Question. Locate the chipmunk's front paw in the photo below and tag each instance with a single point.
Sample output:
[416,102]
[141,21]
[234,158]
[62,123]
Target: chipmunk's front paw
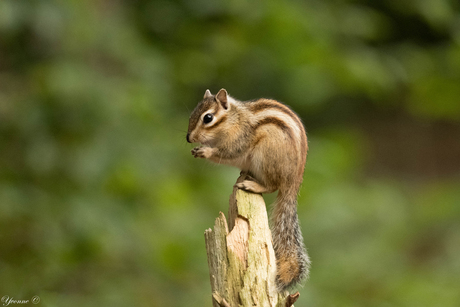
[202,152]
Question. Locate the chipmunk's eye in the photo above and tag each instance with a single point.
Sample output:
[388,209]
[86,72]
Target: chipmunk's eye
[208,118]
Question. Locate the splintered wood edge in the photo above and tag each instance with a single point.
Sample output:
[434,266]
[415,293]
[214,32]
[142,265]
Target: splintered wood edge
[229,246]
[237,240]
[291,299]
[216,249]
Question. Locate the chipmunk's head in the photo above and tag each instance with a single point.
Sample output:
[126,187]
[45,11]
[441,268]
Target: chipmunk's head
[209,118]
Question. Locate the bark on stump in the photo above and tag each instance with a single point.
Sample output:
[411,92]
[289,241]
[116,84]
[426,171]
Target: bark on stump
[241,259]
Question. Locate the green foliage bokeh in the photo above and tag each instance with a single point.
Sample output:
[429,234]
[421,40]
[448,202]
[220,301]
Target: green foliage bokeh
[101,203]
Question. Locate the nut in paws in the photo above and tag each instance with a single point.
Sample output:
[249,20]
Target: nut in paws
[202,152]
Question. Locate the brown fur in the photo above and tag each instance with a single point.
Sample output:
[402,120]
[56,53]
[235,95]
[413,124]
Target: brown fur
[286,268]
[267,141]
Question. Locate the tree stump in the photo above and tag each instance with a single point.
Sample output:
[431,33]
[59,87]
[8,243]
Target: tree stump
[241,259]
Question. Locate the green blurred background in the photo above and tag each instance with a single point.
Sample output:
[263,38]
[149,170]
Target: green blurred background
[102,204]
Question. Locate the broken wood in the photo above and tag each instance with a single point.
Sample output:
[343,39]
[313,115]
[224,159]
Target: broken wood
[241,259]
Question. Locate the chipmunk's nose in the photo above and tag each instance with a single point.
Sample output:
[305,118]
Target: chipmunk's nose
[188,137]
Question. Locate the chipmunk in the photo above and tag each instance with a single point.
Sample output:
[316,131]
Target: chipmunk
[266,140]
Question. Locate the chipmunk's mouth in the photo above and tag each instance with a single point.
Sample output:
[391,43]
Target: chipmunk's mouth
[191,138]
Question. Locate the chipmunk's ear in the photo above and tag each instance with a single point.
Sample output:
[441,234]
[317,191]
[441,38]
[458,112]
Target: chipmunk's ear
[222,98]
[207,94]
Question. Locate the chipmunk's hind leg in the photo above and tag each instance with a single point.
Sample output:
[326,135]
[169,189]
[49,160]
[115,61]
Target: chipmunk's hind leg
[252,185]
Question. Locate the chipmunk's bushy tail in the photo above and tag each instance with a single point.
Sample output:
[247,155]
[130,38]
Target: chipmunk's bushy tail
[292,261]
